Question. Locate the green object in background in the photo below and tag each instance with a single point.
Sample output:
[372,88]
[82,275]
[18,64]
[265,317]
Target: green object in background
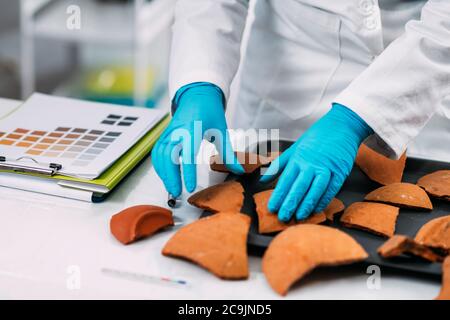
[115,84]
[116,81]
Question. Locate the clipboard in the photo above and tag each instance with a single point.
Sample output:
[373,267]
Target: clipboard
[44,178]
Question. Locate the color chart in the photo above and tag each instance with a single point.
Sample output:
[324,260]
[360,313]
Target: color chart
[84,137]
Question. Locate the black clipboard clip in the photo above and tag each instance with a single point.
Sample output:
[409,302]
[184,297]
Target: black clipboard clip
[49,170]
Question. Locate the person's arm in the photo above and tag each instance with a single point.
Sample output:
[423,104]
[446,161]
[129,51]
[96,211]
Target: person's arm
[401,90]
[205,57]
[206,42]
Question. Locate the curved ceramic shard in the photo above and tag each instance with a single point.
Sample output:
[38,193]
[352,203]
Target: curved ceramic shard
[299,249]
[217,243]
[226,196]
[373,217]
[435,234]
[402,195]
[139,222]
[444,294]
[437,184]
[249,161]
[336,206]
[268,222]
[378,167]
[400,244]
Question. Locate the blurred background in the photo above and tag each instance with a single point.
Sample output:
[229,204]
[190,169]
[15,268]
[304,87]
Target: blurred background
[102,50]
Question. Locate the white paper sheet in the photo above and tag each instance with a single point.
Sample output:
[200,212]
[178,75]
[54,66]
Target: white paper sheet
[84,137]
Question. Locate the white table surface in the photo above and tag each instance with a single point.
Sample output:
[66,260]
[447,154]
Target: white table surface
[46,241]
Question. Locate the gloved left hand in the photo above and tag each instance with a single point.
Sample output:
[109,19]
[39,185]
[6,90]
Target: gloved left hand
[316,166]
[199,114]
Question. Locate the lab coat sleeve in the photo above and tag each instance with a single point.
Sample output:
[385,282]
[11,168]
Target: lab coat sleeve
[402,89]
[206,42]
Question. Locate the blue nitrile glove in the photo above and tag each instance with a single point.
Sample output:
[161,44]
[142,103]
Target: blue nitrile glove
[199,114]
[317,164]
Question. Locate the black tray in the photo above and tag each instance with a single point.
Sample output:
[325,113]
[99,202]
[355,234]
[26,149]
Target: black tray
[355,188]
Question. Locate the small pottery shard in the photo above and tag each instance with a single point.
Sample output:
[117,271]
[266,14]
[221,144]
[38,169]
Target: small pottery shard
[226,196]
[268,222]
[299,249]
[217,243]
[445,288]
[403,195]
[400,244]
[435,234]
[336,206]
[373,217]
[138,222]
[249,161]
[378,167]
[437,184]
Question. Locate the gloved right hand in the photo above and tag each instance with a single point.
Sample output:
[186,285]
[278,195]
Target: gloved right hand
[199,114]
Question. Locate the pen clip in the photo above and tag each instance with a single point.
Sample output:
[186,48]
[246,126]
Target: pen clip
[49,170]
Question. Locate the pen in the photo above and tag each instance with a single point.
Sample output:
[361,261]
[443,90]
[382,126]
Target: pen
[172,201]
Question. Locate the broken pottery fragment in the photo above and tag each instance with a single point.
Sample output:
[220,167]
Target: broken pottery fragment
[217,243]
[373,217]
[138,222]
[401,194]
[437,184]
[435,234]
[299,249]
[268,222]
[378,167]
[226,196]
[400,244]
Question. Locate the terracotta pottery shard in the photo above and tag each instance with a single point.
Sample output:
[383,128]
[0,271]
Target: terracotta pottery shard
[250,161]
[217,243]
[436,234]
[402,195]
[399,244]
[334,208]
[373,217]
[268,222]
[138,222]
[437,184]
[226,196]
[378,167]
[445,289]
[299,249]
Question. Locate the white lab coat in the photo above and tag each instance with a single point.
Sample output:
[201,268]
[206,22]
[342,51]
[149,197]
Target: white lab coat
[302,55]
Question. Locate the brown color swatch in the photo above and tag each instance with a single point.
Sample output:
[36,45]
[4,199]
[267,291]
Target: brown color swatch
[217,243]
[34,152]
[444,294]
[378,167]
[226,196]
[7,142]
[39,133]
[249,161]
[268,222]
[55,134]
[435,234]
[373,217]
[299,249]
[403,195]
[32,139]
[138,222]
[23,144]
[437,184]
[400,244]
